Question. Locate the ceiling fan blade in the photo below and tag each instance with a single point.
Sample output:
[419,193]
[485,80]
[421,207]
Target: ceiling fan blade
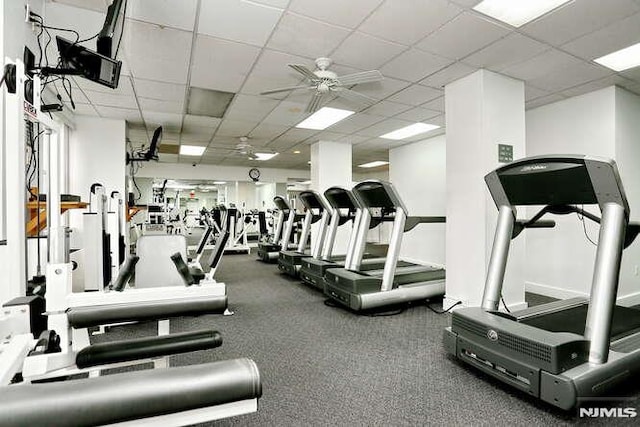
[355,96]
[284,89]
[305,72]
[362,77]
[314,102]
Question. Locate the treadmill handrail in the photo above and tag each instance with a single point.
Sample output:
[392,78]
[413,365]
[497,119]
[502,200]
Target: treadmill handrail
[413,221]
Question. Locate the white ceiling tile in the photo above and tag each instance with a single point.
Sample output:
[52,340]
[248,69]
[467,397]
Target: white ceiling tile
[345,13]
[201,121]
[352,139]
[287,113]
[531,92]
[84,110]
[157,53]
[124,86]
[249,107]
[220,64]
[417,114]
[97,5]
[119,113]
[578,18]
[365,51]
[408,21]
[386,109]
[306,37]
[235,128]
[241,21]
[504,52]
[161,106]
[294,136]
[613,37]
[548,62]
[355,122]
[168,121]
[267,131]
[571,75]
[275,3]
[416,95]
[110,100]
[324,136]
[382,89]
[167,158]
[86,22]
[544,100]
[453,72]
[461,36]
[436,104]
[165,12]
[383,127]
[414,65]
[159,90]
[598,84]
[270,72]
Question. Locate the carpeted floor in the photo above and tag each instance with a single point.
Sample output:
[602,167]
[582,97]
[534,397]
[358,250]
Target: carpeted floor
[322,365]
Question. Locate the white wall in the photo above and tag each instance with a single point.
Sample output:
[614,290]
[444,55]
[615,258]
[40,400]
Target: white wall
[602,123]
[216,172]
[418,173]
[364,174]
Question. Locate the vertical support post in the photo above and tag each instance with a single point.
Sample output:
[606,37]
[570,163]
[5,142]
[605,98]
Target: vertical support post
[306,228]
[278,230]
[327,234]
[288,229]
[604,287]
[355,228]
[498,260]
[58,253]
[393,253]
[360,240]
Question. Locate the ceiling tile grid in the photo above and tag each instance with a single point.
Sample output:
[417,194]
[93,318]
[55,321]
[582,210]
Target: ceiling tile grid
[243,47]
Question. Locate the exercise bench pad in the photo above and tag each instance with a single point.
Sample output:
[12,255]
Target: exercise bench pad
[85,317]
[129,396]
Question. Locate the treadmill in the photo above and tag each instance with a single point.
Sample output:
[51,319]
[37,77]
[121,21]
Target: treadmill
[270,251]
[317,209]
[344,208]
[568,350]
[392,284]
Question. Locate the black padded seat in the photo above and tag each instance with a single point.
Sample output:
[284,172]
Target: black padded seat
[85,317]
[129,396]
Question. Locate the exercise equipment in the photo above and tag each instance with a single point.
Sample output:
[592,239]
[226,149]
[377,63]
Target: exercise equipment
[567,350]
[363,290]
[270,251]
[317,209]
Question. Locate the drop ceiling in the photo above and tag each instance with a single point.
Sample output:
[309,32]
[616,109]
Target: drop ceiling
[243,47]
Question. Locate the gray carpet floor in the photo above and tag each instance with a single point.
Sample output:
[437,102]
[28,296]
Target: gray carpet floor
[323,365]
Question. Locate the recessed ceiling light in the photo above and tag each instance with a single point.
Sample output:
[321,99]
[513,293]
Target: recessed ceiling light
[409,131]
[263,156]
[323,118]
[219,182]
[517,12]
[191,150]
[373,164]
[296,151]
[622,59]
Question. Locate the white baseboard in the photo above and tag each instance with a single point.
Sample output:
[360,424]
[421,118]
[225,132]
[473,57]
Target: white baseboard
[554,292]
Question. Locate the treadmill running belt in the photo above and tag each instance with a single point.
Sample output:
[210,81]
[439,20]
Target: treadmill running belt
[625,321]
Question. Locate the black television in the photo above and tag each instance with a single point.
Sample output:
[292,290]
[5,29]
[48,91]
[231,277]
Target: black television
[78,60]
[111,33]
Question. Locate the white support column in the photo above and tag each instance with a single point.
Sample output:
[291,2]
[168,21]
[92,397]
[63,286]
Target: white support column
[14,135]
[331,166]
[483,110]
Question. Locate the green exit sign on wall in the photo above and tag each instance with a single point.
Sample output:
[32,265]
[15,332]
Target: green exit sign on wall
[505,153]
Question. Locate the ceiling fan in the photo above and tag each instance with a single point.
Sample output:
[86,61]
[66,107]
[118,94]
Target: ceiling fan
[324,82]
[243,149]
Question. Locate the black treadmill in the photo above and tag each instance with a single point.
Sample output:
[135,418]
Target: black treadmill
[393,284]
[268,251]
[568,350]
[317,209]
[344,208]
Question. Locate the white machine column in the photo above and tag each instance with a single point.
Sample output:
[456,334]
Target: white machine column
[485,123]
[331,166]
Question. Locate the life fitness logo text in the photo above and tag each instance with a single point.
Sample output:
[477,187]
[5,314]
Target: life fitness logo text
[608,413]
[533,168]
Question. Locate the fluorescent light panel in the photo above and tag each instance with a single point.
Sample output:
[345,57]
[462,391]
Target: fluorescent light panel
[517,12]
[373,164]
[409,131]
[264,156]
[191,150]
[622,59]
[323,118]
